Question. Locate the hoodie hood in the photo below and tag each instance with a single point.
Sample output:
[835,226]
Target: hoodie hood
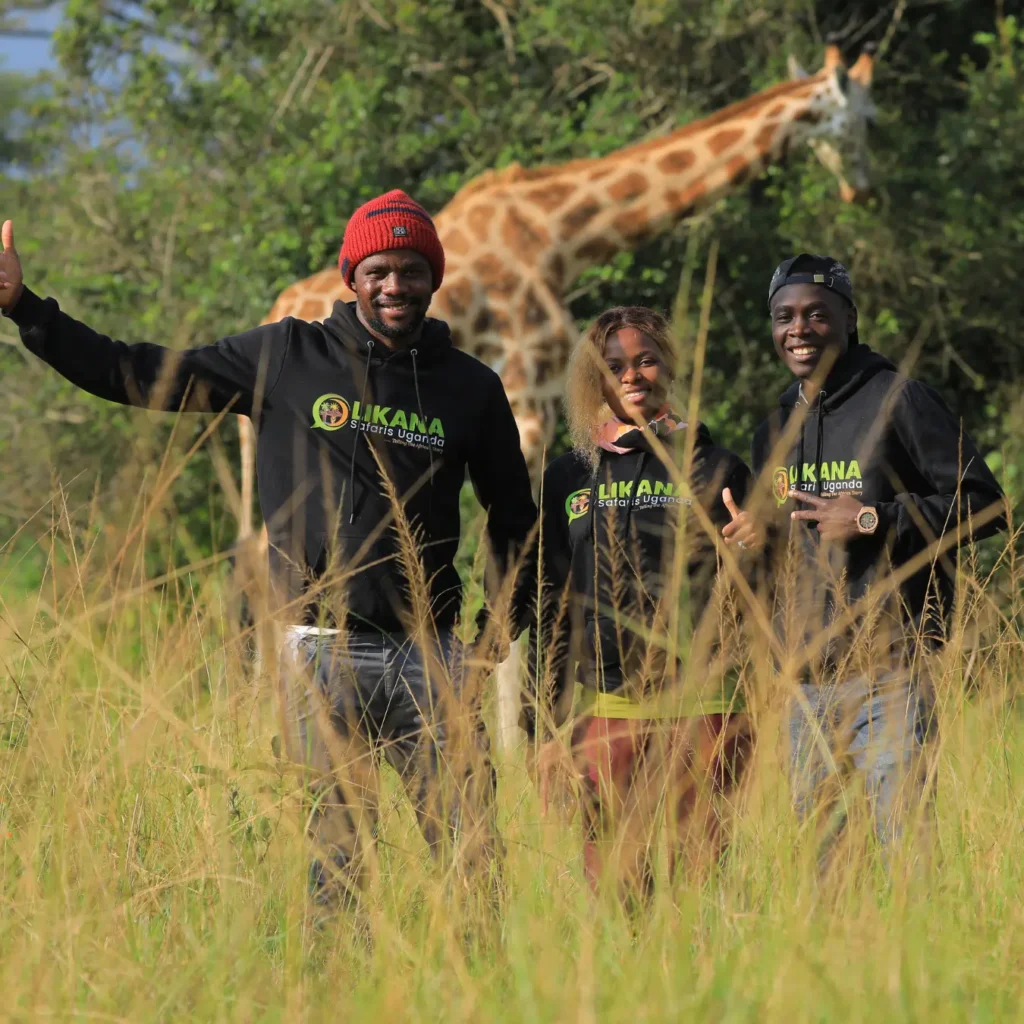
[345,326]
[848,376]
[609,432]
[665,430]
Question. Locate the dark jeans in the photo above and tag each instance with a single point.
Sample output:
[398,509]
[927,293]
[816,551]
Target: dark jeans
[354,697]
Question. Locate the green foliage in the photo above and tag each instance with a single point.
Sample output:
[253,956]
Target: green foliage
[14,146]
[191,159]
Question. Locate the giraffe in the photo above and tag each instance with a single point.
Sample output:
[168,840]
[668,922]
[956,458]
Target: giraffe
[516,239]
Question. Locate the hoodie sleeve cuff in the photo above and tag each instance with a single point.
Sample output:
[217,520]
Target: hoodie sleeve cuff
[29,310]
[482,619]
[888,515]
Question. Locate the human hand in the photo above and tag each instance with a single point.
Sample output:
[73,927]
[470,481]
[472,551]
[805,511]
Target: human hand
[490,648]
[744,531]
[553,760]
[11,285]
[836,517]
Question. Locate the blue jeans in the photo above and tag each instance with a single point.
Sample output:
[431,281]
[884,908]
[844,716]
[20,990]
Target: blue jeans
[871,731]
[352,698]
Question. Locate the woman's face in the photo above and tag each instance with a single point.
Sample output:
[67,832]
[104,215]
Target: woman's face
[640,375]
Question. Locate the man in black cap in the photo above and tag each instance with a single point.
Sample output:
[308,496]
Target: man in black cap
[874,484]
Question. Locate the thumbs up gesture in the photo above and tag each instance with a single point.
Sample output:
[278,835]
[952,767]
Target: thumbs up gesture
[742,530]
[11,285]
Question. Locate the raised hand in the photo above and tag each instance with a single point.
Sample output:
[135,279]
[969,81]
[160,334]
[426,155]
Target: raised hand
[836,517]
[554,769]
[11,286]
[743,530]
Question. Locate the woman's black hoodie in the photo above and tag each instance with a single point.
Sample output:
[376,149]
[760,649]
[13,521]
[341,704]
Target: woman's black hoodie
[328,402]
[607,536]
[891,443]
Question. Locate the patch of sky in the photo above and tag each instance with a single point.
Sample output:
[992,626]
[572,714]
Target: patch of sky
[25,39]
[26,48]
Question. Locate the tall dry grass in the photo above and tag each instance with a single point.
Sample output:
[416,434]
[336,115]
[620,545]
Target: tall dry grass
[153,863]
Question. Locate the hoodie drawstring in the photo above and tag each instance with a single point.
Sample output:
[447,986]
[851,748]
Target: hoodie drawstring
[820,444]
[355,437]
[592,506]
[640,465]
[799,461]
[419,405]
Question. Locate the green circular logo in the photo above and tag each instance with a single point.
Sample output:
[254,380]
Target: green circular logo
[577,504]
[780,485]
[330,412]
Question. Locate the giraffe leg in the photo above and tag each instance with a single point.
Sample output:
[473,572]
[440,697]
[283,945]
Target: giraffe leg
[508,696]
[247,449]
[250,551]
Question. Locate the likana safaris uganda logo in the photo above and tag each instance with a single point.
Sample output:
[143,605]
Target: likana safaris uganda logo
[402,426]
[780,485]
[330,412]
[828,479]
[577,504]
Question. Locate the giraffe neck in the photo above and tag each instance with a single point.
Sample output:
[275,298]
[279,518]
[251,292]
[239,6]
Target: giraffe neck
[597,208]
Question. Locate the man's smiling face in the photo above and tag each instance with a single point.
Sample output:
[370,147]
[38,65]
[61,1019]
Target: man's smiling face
[809,323]
[393,292]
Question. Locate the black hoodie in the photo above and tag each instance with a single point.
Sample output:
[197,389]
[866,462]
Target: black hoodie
[890,442]
[607,537]
[325,399]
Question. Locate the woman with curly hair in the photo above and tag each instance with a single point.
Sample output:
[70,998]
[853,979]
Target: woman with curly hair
[629,608]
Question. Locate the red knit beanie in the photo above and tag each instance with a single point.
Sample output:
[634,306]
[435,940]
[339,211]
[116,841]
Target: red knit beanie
[391,221]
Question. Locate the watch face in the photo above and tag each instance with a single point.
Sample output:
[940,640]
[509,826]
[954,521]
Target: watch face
[867,520]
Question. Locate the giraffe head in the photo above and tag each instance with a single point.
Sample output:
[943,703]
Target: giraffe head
[837,128]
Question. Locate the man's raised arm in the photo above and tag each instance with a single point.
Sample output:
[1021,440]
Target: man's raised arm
[213,377]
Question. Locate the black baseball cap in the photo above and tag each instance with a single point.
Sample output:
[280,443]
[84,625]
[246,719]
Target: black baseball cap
[808,268]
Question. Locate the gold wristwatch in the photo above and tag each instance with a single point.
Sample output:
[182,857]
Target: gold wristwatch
[867,520]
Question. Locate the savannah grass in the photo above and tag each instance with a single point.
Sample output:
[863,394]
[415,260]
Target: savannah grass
[153,864]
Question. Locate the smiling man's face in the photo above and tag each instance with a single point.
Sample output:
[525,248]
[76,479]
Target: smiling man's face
[393,292]
[809,323]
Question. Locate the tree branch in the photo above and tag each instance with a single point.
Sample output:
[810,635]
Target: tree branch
[501,16]
[289,95]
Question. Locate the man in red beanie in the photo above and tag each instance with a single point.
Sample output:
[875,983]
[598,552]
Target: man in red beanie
[392,238]
[367,425]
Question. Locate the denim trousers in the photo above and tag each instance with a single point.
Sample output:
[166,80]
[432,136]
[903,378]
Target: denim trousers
[354,698]
[860,739]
